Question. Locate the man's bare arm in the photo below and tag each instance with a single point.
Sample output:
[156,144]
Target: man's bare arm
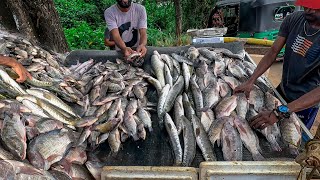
[117,39]
[308,100]
[268,59]
[143,37]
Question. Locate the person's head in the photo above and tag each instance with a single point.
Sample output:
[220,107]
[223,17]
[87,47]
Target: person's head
[311,10]
[124,3]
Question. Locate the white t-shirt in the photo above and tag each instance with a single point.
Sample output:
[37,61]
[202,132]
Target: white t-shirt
[128,23]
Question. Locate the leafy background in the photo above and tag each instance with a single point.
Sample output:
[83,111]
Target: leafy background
[84,23]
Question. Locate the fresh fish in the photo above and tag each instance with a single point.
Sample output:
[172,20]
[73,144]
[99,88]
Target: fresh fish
[216,128]
[249,139]
[271,102]
[178,112]
[158,69]
[225,89]
[212,56]
[145,118]
[188,109]
[60,175]
[7,79]
[167,75]
[242,106]
[108,126]
[5,155]
[237,71]
[169,62]
[231,81]
[42,126]
[256,98]
[174,139]
[226,106]
[48,148]
[291,133]
[189,142]
[193,53]
[186,75]
[231,143]
[272,133]
[13,134]
[51,98]
[95,169]
[202,140]
[174,91]
[211,96]
[207,117]
[181,59]
[219,68]
[11,169]
[197,96]
[114,141]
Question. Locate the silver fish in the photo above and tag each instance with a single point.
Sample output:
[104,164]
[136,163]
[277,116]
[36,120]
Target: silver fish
[202,140]
[174,139]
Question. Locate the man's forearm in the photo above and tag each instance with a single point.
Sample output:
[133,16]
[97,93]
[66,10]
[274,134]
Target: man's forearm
[143,37]
[7,61]
[308,100]
[262,67]
[268,59]
[117,39]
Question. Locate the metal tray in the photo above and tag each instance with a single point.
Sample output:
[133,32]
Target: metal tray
[156,149]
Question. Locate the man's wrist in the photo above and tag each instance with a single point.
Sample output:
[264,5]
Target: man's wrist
[278,115]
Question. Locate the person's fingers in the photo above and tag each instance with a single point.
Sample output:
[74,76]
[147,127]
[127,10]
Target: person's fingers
[28,75]
[21,79]
[255,117]
[259,123]
[264,125]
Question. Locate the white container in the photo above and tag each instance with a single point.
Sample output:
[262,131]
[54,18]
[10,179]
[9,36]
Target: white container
[207,40]
[148,173]
[253,170]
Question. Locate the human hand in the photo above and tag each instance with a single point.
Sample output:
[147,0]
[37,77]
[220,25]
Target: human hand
[263,119]
[245,88]
[127,52]
[22,72]
[142,49]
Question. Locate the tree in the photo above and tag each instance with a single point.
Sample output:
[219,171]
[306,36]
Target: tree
[39,21]
[177,6]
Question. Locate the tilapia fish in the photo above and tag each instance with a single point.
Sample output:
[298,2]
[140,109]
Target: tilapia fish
[48,148]
[291,133]
[13,134]
[231,143]
[248,137]
[11,169]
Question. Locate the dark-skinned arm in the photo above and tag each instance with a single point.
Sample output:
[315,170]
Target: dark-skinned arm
[308,100]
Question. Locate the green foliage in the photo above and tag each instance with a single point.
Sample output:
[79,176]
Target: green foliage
[84,24]
[83,36]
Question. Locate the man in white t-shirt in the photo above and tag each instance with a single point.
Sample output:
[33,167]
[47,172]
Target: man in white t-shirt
[127,23]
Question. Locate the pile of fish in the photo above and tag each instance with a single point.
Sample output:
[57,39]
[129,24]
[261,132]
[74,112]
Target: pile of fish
[195,90]
[50,123]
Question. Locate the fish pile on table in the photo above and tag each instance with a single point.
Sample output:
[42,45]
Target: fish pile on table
[196,98]
[50,123]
